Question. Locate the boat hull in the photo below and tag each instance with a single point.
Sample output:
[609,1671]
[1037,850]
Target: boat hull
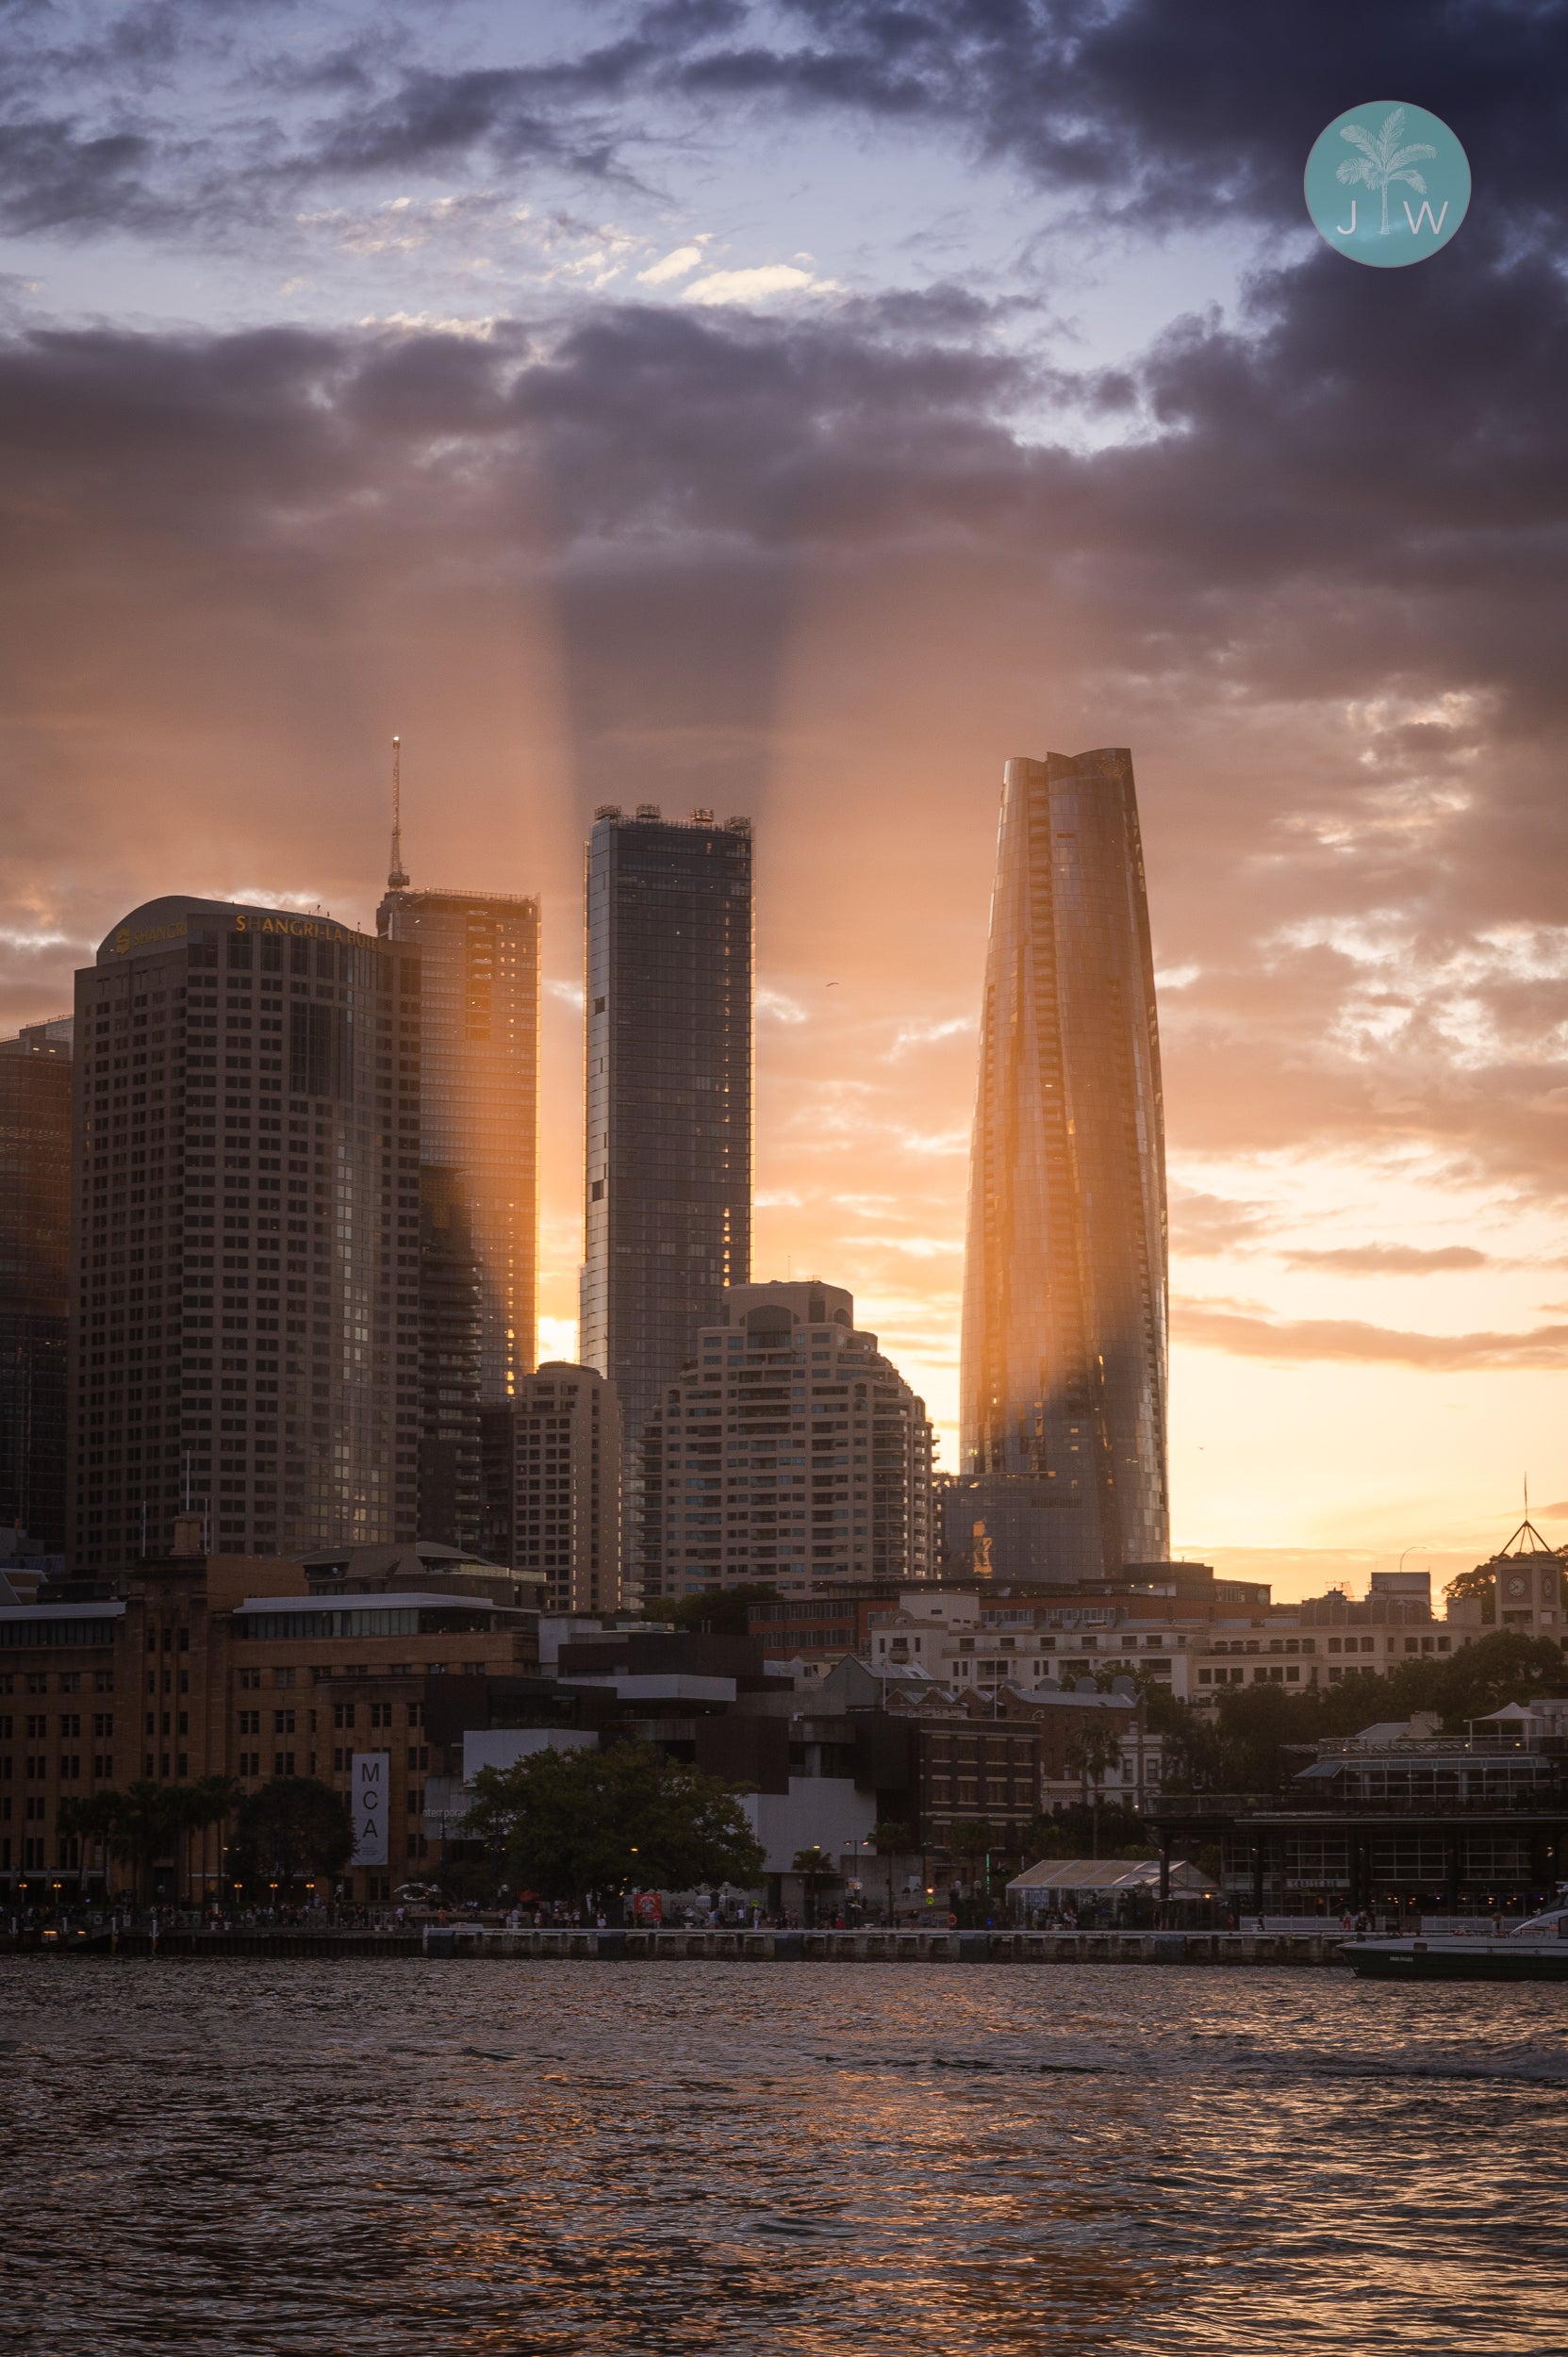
[1457,1959]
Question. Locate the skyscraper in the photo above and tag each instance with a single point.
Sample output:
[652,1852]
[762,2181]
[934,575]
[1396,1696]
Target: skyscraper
[1063,1378]
[788,1449]
[479,1122]
[35,1269]
[668,1087]
[245,1234]
[450,1325]
[553,1486]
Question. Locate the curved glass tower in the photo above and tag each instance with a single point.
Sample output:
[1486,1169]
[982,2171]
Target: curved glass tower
[1064,1379]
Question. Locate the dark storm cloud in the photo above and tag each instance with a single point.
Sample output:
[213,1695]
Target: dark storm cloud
[1167,109]
[1318,577]
[1160,111]
[54,176]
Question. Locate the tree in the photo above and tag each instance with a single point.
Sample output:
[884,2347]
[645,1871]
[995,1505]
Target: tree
[724,1615]
[206,1803]
[1089,1755]
[818,1873]
[891,1839]
[289,1828]
[87,1819]
[1481,1582]
[1382,161]
[1070,1832]
[1257,1735]
[140,1824]
[611,1820]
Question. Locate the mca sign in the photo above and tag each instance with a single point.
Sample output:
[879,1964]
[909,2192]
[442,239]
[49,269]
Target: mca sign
[370,1794]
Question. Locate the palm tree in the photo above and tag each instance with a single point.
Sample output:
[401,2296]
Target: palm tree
[1089,1755]
[817,1870]
[86,1818]
[206,1803]
[1382,161]
[141,1823]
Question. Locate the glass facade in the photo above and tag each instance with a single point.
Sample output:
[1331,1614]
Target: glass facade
[1063,1378]
[668,1092]
[35,1263]
[450,1330]
[245,1235]
[479,958]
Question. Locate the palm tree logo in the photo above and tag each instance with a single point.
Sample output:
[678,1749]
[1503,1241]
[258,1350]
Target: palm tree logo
[1382,161]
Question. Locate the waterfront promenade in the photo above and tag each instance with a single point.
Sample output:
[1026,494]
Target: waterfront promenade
[447,1941]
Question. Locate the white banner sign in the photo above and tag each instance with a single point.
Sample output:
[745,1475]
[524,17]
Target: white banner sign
[371,1795]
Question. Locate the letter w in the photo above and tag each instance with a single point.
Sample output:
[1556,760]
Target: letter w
[1426,214]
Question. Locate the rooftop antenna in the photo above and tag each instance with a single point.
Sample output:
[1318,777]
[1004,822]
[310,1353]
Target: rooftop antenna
[396,880]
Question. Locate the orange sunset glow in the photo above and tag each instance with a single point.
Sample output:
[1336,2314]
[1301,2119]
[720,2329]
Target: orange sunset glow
[647,507]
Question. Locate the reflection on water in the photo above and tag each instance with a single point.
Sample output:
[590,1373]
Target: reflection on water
[362,2157]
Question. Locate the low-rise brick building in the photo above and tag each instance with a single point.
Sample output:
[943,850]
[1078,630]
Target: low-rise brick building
[236,1666]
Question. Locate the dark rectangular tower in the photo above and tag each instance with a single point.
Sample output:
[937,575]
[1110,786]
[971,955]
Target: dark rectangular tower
[35,1278]
[1064,1292]
[479,959]
[668,1092]
[245,1235]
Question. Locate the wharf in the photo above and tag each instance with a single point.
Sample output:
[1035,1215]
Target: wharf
[888,1947]
[452,1941]
[181,1942]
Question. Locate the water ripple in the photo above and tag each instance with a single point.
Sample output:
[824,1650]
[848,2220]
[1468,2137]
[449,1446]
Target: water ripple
[314,2160]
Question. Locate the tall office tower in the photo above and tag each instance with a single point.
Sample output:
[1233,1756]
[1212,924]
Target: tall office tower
[553,1486]
[450,1328]
[1064,1317]
[479,1100]
[668,1085]
[35,1278]
[245,1235]
[788,1451]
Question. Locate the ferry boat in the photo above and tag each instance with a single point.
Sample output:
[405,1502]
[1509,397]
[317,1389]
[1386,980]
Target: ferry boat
[1533,1951]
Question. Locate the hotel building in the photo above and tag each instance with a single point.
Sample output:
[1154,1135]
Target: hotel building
[788,1451]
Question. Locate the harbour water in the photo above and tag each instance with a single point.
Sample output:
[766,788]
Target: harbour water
[374,2156]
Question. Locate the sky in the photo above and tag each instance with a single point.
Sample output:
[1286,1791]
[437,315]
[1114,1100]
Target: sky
[797,411]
